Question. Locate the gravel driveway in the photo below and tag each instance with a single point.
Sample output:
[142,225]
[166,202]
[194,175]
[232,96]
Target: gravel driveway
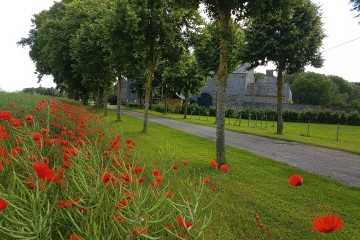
[341,166]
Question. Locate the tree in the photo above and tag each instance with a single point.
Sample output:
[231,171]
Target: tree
[288,33]
[159,35]
[356,5]
[92,58]
[121,40]
[314,89]
[221,11]
[184,77]
[49,42]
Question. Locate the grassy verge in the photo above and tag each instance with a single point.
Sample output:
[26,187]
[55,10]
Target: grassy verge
[322,135]
[253,186]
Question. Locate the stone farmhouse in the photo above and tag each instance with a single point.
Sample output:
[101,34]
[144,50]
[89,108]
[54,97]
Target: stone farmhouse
[242,90]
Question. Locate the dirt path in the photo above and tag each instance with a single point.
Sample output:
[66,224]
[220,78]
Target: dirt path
[341,166]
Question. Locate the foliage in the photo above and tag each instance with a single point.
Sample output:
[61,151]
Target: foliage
[287,32]
[206,48]
[351,117]
[356,5]
[43,91]
[49,42]
[313,88]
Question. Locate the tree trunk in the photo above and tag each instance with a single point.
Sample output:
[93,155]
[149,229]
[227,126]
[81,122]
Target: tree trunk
[149,77]
[186,105]
[280,99]
[105,100]
[221,82]
[99,98]
[166,103]
[118,99]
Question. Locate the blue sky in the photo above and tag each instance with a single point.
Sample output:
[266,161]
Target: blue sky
[17,69]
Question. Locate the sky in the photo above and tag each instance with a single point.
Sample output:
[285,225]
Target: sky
[17,69]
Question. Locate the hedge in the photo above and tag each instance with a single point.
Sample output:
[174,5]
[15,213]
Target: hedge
[321,116]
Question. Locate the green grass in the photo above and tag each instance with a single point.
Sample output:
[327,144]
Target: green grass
[322,135]
[253,186]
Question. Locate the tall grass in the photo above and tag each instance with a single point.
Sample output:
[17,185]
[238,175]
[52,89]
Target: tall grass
[65,175]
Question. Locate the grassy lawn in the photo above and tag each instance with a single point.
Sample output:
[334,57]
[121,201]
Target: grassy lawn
[323,135]
[253,186]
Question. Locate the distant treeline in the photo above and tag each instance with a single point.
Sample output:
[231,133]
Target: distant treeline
[318,89]
[43,91]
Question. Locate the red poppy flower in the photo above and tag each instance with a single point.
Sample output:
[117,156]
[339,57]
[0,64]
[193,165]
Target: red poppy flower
[138,170]
[36,136]
[182,235]
[76,237]
[29,117]
[141,180]
[160,179]
[67,164]
[327,224]
[295,180]
[206,180]
[224,168]
[169,195]
[214,164]
[156,172]
[175,166]
[43,171]
[3,204]
[5,115]
[257,218]
[140,230]
[122,203]
[15,151]
[213,189]
[183,223]
[185,163]
[118,218]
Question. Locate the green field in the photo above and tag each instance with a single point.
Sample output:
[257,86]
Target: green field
[323,135]
[253,186]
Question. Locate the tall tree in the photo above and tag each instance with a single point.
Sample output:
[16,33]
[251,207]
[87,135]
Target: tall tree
[159,36]
[121,40]
[221,11]
[288,33]
[49,42]
[92,58]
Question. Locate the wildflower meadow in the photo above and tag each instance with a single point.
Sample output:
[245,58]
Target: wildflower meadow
[67,173]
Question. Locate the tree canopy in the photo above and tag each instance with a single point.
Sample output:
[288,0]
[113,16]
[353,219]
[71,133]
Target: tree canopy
[288,33]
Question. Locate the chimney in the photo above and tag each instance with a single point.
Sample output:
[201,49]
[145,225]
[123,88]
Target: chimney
[270,73]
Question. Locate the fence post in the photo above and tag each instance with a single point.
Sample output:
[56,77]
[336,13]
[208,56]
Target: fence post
[266,121]
[337,132]
[308,129]
[240,118]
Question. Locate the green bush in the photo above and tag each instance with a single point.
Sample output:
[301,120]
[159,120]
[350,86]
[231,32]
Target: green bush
[112,99]
[353,118]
